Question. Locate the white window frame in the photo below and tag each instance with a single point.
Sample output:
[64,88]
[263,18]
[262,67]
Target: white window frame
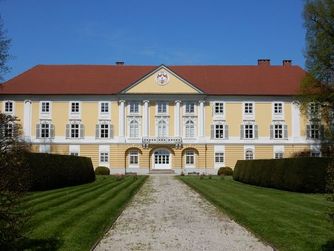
[219,114]
[285,134]
[43,114]
[186,130]
[45,148]
[186,104]
[253,130]
[315,151]
[164,103]
[41,129]
[224,125]
[134,154]
[311,128]
[81,129]
[278,149]
[278,155]
[132,103]
[166,121]
[249,148]
[104,151]
[104,123]
[190,154]
[13,107]
[314,110]
[75,115]
[138,135]
[219,155]
[104,115]
[276,116]
[74,150]
[248,115]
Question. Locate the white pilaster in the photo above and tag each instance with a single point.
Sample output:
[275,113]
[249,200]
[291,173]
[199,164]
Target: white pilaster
[177,118]
[27,119]
[146,117]
[201,122]
[122,119]
[295,118]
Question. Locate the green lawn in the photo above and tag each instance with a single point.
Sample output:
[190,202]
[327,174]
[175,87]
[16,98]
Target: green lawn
[74,218]
[286,220]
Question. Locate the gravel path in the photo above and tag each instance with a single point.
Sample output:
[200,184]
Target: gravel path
[168,215]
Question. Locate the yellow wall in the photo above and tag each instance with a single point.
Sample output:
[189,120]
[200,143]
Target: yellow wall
[60,117]
[233,153]
[263,118]
[89,116]
[234,118]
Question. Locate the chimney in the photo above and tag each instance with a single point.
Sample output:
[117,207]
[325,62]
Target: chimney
[287,62]
[263,61]
[120,63]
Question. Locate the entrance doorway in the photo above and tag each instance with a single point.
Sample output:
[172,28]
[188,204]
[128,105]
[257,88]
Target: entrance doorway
[161,159]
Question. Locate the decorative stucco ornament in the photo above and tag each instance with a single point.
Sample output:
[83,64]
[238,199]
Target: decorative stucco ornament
[162,78]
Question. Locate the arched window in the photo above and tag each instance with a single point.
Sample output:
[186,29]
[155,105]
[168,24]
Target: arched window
[190,129]
[134,129]
[162,128]
[249,154]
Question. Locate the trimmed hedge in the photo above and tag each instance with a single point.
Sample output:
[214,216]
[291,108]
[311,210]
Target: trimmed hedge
[50,171]
[307,174]
[228,171]
[102,170]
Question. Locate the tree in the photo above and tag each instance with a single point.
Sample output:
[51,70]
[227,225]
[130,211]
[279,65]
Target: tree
[318,85]
[4,47]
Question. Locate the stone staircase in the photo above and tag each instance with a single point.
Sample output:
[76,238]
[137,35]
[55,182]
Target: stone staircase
[162,171]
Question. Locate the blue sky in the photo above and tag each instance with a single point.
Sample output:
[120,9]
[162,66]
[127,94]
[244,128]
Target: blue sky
[140,32]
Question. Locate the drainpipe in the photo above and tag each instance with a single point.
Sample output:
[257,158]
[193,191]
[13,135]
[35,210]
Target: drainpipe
[206,148]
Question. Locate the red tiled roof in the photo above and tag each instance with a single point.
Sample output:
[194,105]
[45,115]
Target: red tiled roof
[111,79]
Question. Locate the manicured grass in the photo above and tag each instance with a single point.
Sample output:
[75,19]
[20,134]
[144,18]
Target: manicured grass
[74,218]
[286,220]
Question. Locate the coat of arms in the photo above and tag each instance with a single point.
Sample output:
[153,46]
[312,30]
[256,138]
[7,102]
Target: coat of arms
[162,78]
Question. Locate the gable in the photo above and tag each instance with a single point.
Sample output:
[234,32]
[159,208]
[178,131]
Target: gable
[162,80]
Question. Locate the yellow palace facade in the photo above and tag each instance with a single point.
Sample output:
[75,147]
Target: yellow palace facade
[144,118]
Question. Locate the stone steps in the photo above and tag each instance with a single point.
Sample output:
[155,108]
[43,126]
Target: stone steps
[162,171]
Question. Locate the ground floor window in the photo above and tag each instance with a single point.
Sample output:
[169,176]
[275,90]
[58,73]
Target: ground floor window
[278,155]
[249,154]
[190,158]
[219,157]
[104,157]
[133,158]
[315,154]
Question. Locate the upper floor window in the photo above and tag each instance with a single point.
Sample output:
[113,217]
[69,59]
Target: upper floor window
[219,108]
[248,108]
[278,108]
[8,130]
[219,131]
[103,130]
[190,129]
[314,109]
[162,107]
[75,130]
[45,107]
[190,107]
[9,106]
[75,107]
[134,129]
[314,131]
[162,128]
[104,107]
[248,131]
[278,131]
[134,107]
[45,130]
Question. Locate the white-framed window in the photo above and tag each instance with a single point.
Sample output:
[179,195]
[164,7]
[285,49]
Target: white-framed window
[44,148]
[315,154]
[74,130]
[189,129]
[219,108]
[133,107]
[278,155]
[103,130]
[134,129]
[219,157]
[9,130]
[314,109]
[104,157]
[134,158]
[248,131]
[248,108]
[189,107]
[45,106]
[9,106]
[74,150]
[278,108]
[162,128]
[190,158]
[314,130]
[75,107]
[249,154]
[45,130]
[104,107]
[219,131]
[162,107]
[278,131]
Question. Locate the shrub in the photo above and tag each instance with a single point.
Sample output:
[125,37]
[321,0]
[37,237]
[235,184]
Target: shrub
[227,171]
[102,170]
[50,171]
[294,174]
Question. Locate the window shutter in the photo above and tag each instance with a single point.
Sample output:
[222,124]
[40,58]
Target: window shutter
[82,131]
[111,133]
[242,132]
[52,131]
[97,131]
[67,131]
[226,131]
[38,131]
[271,131]
[212,131]
[256,131]
[308,128]
[286,131]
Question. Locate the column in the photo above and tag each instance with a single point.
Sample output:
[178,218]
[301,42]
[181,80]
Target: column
[146,117]
[295,120]
[177,118]
[122,119]
[201,122]
[27,119]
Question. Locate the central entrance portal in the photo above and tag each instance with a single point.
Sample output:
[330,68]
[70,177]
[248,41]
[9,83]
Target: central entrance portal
[161,159]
